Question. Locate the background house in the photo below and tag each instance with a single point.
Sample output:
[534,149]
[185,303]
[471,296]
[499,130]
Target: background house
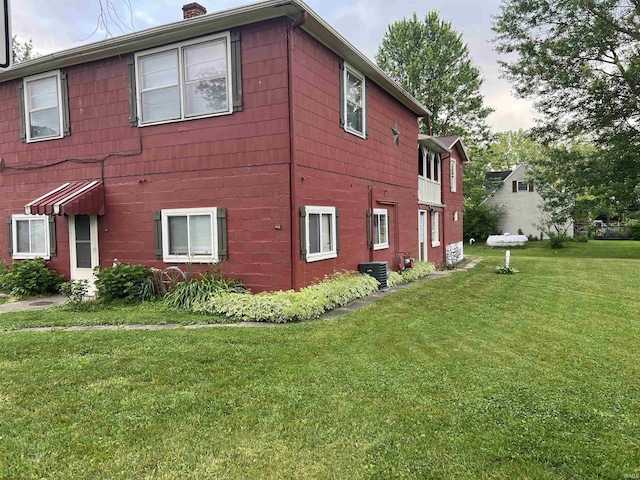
[256,135]
[516,194]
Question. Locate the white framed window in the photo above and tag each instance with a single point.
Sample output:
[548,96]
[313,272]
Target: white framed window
[456,216]
[453,174]
[43,107]
[321,233]
[523,186]
[380,228]
[189,235]
[186,80]
[30,236]
[355,105]
[429,165]
[435,229]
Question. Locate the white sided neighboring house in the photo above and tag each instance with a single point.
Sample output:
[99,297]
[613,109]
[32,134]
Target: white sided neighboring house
[517,195]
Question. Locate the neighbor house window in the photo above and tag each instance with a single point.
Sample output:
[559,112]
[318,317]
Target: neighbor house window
[189,235]
[435,229]
[523,187]
[380,229]
[354,102]
[320,233]
[456,216]
[453,174]
[43,111]
[30,236]
[186,80]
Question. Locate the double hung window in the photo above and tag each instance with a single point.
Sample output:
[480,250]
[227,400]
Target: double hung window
[435,229]
[43,106]
[354,97]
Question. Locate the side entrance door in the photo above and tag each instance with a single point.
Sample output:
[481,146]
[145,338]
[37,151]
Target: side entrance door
[83,247]
[422,235]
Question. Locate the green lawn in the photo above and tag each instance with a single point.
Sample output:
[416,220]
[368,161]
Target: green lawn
[473,376]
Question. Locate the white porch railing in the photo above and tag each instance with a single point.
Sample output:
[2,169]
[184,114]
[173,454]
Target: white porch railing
[429,191]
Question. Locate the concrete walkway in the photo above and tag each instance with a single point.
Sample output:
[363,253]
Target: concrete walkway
[32,304]
[39,304]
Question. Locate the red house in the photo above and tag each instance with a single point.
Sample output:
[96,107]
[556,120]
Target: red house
[256,135]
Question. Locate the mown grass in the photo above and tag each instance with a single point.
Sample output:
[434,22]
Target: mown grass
[476,375]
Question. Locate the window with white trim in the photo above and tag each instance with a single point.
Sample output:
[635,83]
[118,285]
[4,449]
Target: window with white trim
[30,236]
[187,80]
[453,174]
[380,228]
[523,186]
[435,229]
[354,101]
[456,216]
[43,107]
[321,233]
[189,235]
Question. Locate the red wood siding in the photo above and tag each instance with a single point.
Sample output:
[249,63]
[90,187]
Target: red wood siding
[238,161]
[336,168]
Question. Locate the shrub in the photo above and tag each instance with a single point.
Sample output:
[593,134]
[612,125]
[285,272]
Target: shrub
[506,269]
[395,279]
[290,306]
[634,232]
[198,290]
[557,240]
[75,290]
[28,278]
[125,281]
[419,270]
[482,220]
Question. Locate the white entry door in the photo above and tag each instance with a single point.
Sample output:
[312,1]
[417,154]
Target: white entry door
[83,247]
[422,235]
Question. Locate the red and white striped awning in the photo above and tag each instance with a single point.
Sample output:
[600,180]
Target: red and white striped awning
[71,198]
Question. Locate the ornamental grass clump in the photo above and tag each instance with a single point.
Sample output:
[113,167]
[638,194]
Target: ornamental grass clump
[199,290]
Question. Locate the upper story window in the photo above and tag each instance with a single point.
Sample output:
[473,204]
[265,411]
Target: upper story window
[429,165]
[518,186]
[30,236]
[353,96]
[186,80]
[43,107]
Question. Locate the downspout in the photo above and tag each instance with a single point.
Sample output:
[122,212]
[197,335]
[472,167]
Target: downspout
[295,219]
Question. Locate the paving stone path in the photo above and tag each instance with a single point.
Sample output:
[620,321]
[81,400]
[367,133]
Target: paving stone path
[39,304]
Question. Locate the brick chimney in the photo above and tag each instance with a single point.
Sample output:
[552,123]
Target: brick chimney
[193,10]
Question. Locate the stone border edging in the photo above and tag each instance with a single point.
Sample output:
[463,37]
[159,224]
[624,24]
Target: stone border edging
[330,315]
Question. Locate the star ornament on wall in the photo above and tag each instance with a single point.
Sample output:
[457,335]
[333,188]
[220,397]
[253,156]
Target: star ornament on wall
[396,134]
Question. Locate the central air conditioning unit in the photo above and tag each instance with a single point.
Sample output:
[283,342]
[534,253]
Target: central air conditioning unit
[378,270]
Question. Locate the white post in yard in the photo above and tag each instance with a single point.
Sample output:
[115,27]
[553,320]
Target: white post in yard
[507,257]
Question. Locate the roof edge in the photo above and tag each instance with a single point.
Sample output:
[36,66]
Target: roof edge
[209,23]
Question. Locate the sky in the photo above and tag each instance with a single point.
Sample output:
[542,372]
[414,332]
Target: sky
[55,25]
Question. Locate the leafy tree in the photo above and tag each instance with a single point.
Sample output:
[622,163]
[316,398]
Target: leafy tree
[22,51]
[430,60]
[580,61]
